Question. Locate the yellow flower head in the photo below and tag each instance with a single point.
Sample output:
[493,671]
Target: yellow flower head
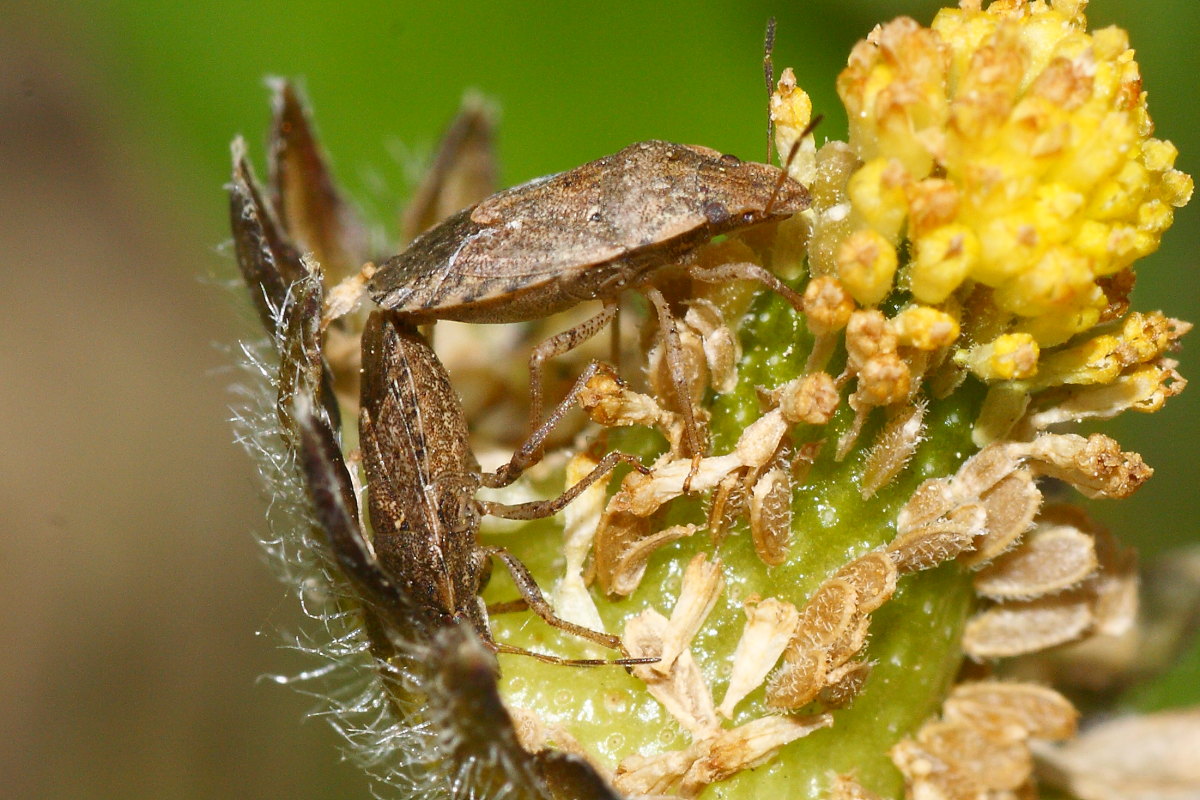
[1010,148]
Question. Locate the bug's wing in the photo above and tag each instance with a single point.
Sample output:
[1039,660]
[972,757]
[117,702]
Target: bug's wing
[413,433]
[640,197]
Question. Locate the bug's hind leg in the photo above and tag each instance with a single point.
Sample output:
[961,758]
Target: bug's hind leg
[529,453]
[536,509]
[532,594]
[570,662]
[556,345]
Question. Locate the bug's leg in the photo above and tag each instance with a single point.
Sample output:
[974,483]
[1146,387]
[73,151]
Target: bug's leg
[748,271]
[555,346]
[674,352]
[530,450]
[537,509]
[614,354]
[532,593]
[507,607]
[570,662]
[523,604]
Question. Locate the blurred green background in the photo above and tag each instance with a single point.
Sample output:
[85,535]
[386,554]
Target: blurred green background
[139,615]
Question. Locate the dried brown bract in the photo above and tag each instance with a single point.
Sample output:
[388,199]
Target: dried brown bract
[770,625]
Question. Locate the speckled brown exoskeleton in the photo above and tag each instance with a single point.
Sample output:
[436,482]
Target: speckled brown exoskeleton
[421,483]
[589,234]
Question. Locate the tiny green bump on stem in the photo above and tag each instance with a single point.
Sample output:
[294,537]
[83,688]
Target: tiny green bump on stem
[915,637]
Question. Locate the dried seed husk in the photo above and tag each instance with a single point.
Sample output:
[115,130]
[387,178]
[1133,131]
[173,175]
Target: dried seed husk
[1013,629]
[894,447]
[843,684]
[1011,505]
[932,499]
[826,615]
[1050,559]
[1012,710]
[798,680]
[850,642]
[873,577]
[771,515]
[937,542]
[1146,757]
[993,762]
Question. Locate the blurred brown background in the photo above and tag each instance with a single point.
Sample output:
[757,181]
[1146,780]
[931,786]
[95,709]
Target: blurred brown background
[140,617]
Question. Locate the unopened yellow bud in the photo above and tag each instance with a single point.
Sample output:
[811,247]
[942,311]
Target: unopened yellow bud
[942,260]
[1054,281]
[877,192]
[924,328]
[1008,245]
[1012,356]
[866,264]
[1176,188]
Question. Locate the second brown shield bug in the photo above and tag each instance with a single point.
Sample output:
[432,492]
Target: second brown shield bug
[421,484]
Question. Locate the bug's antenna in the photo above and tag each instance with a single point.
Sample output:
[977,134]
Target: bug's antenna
[769,74]
[790,158]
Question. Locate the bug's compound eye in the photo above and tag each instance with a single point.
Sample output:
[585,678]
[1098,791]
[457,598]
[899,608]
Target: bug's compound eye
[715,213]
[594,215]
[748,217]
[730,160]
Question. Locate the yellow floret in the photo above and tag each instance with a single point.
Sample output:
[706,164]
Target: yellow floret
[866,264]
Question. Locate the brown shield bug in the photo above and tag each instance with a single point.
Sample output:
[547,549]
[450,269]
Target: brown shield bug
[421,484]
[589,234]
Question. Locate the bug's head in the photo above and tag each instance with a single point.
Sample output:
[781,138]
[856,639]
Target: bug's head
[740,194]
